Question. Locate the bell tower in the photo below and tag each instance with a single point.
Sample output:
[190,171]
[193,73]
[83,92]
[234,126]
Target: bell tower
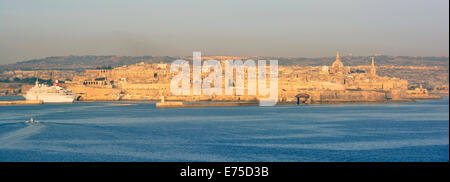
[373,70]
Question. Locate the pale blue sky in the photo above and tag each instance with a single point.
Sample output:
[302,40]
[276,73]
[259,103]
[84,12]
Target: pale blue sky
[309,28]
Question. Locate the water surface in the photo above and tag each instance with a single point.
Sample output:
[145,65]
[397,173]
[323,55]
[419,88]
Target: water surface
[112,131]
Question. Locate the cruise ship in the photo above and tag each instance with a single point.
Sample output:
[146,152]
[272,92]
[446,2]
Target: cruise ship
[49,94]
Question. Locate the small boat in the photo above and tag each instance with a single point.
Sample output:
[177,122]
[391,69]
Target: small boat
[31,121]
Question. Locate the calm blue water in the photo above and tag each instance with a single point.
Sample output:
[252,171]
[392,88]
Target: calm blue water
[107,131]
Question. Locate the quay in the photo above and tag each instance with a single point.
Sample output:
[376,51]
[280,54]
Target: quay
[202,104]
[21,102]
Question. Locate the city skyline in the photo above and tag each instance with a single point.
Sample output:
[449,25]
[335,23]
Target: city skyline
[233,82]
[30,29]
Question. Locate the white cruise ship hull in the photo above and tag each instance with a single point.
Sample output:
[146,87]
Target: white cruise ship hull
[53,94]
[51,98]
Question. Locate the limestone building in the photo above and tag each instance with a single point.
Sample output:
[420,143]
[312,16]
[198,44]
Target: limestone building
[322,83]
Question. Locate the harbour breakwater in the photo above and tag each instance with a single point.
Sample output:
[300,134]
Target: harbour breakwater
[21,102]
[328,98]
[203,104]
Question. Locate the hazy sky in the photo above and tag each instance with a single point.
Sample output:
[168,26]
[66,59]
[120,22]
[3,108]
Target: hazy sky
[309,28]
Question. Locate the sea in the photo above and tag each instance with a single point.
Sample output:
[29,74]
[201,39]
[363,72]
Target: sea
[137,131]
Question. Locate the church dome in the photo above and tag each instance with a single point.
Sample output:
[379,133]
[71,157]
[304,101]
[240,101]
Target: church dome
[337,65]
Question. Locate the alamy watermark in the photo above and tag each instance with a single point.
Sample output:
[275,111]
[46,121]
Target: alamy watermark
[212,84]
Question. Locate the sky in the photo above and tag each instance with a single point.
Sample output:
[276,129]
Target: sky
[31,29]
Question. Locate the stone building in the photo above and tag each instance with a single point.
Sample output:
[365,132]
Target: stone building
[322,83]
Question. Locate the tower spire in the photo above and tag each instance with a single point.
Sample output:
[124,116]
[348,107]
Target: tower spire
[373,71]
[337,56]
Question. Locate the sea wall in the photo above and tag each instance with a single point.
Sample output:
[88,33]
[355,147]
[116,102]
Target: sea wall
[352,96]
[21,102]
[83,93]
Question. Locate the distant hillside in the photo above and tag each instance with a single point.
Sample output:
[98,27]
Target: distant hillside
[86,62]
[366,60]
[82,62]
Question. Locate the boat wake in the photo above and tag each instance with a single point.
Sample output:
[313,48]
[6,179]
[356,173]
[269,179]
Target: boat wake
[15,138]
